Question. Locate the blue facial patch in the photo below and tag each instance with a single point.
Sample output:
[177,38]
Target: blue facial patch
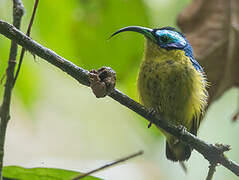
[170,39]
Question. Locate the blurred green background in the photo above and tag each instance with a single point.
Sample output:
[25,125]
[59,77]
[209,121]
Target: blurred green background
[55,122]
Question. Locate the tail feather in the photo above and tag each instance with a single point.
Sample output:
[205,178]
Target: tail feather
[179,152]
[184,167]
[169,153]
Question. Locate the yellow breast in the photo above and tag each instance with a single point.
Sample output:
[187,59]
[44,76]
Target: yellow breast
[168,83]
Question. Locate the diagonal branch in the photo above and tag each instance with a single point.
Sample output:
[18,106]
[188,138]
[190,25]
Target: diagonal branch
[212,170]
[18,11]
[81,176]
[213,153]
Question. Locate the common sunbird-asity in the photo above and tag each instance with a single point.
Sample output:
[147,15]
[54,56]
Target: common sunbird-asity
[172,83]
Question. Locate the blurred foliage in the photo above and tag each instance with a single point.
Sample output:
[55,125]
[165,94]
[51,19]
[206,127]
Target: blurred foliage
[79,29]
[165,12]
[17,172]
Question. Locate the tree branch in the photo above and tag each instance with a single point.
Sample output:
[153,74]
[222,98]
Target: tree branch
[212,170]
[18,11]
[213,153]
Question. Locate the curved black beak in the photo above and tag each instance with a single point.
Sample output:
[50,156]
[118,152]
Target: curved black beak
[147,32]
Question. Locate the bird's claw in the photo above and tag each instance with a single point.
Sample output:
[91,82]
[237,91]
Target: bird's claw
[153,113]
[150,124]
[182,129]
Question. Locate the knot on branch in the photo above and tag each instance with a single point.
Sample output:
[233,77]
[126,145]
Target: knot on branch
[102,81]
[217,150]
[222,147]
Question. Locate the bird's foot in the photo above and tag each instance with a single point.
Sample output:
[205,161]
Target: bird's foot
[153,112]
[182,129]
[102,81]
[150,124]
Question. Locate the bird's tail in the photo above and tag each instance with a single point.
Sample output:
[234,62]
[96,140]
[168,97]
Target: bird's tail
[178,151]
[184,167]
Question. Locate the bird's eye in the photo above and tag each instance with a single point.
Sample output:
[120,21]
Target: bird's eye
[164,38]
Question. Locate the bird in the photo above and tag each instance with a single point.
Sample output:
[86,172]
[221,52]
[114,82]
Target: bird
[172,83]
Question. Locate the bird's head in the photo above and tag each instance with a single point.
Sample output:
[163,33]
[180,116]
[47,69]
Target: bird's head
[167,38]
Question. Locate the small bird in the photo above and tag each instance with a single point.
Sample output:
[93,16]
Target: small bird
[172,83]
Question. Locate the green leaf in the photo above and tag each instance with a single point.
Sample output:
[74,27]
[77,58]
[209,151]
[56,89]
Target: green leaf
[16,172]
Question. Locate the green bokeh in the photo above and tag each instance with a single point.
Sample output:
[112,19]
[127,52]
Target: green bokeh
[79,30]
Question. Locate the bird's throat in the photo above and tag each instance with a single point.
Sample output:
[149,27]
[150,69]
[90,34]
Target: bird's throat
[154,52]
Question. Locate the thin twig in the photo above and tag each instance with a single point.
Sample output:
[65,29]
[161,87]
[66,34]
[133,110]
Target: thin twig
[210,151]
[18,11]
[212,170]
[108,165]
[28,34]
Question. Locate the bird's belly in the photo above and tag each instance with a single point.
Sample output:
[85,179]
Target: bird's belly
[167,87]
